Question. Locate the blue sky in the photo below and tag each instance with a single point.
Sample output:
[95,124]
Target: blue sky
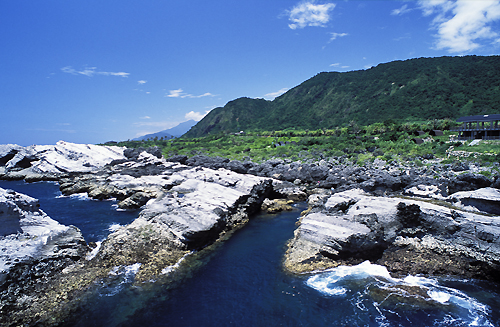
[89,71]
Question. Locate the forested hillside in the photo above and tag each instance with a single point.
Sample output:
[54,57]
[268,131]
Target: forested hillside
[411,90]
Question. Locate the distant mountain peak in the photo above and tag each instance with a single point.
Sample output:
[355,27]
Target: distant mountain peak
[176,131]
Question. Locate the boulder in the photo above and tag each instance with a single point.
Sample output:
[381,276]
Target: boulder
[207,162]
[178,158]
[427,191]
[276,205]
[468,182]
[484,200]
[7,152]
[134,153]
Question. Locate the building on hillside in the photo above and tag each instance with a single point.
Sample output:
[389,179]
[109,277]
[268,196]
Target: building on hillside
[484,127]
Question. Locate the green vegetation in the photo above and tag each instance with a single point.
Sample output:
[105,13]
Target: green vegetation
[360,144]
[403,91]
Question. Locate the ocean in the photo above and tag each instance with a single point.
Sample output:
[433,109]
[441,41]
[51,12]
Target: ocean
[241,282]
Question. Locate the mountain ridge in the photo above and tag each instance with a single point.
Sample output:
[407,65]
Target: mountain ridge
[413,89]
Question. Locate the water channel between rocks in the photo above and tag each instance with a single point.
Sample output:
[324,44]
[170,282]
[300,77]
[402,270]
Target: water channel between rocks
[242,283]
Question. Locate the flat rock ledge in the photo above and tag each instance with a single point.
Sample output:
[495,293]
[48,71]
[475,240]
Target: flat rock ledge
[408,236]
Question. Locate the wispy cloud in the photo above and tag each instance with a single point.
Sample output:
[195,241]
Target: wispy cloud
[142,82]
[337,64]
[308,13]
[179,93]
[273,95]
[145,117]
[197,116]
[337,35]
[462,24]
[401,11]
[91,71]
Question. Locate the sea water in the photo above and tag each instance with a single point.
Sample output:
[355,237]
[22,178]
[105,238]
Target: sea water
[96,219]
[241,283]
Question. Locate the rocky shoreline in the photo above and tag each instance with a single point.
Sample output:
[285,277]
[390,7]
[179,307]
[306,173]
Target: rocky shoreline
[433,219]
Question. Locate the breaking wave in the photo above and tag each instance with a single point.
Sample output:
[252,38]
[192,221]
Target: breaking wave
[370,288]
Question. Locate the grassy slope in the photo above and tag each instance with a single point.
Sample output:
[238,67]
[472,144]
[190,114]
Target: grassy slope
[385,141]
[416,89]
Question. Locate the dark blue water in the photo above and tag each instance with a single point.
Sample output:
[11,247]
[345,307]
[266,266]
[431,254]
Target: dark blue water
[241,283]
[95,219]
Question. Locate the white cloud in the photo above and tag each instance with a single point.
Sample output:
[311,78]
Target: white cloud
[273,95]
[207,94]
[401,11]
[336,35]
[179,93]
[197,116]
[146,117]
[309,14]
[175,93]
[142,82]
[91,71]
[461,24]
[338,65]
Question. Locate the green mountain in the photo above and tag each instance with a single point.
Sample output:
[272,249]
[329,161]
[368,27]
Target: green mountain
[415,89]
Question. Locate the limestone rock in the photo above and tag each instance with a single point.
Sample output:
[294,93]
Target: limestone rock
[354,226]
[484,200]
[48,162]
[276,205]
[35,249]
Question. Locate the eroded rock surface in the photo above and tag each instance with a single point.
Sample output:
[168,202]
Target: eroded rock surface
[184,209]
[35,249]
[50,162]
[407,236]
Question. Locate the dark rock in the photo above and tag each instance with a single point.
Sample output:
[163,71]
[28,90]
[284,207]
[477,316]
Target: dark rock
[468,182]
[237,167]
[409,215]
[178,158]
[133,154]
[135,201]
[459,166]
[496,184]
[5,157]
[428,156]
[207,162]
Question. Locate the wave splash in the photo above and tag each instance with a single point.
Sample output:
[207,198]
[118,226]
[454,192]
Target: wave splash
[371,289]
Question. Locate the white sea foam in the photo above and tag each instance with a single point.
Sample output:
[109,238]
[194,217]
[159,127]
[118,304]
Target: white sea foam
[94,251]
[119,277]
[114,227]
[171,268]
[328,282]
[77,196]
[337,282]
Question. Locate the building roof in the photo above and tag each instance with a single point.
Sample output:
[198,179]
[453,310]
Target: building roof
[478,118]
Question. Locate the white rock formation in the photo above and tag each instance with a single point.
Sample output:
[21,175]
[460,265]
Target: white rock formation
[57,159]
[484,199]
[26,232]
